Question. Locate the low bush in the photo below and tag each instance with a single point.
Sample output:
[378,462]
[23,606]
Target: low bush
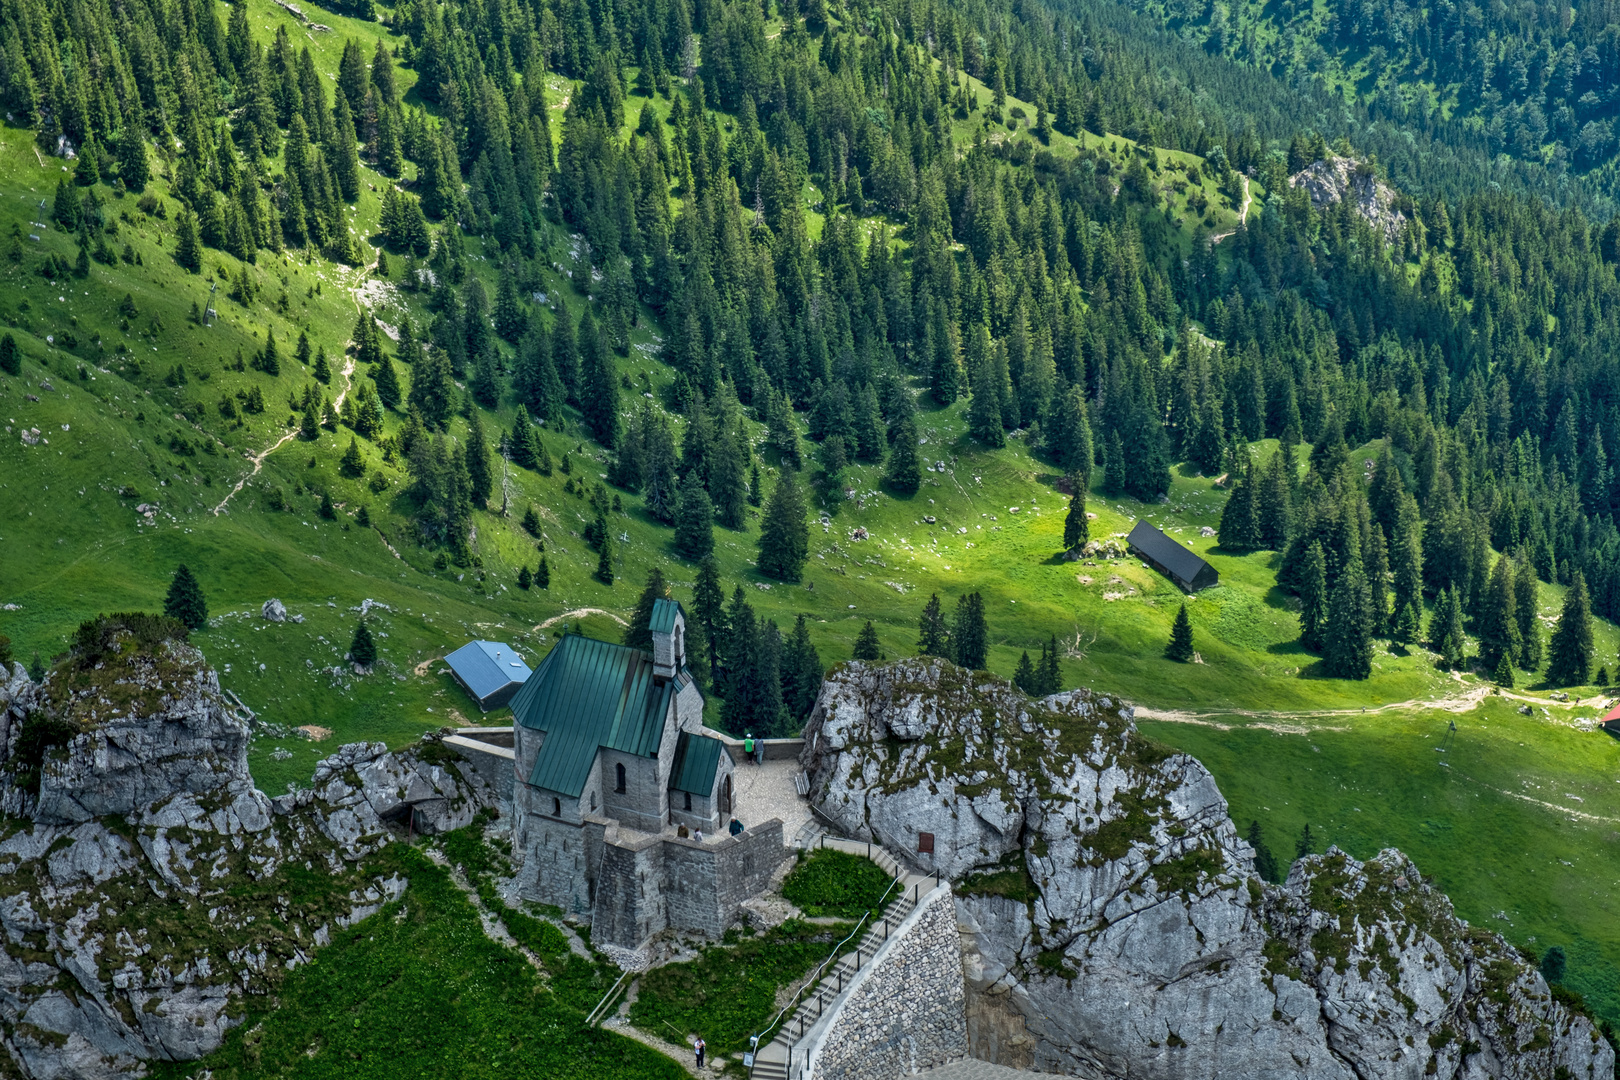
[837,884]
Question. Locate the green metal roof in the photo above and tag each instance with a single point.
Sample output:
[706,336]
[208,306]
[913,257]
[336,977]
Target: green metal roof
[696,758]
[587,695]
[663,616]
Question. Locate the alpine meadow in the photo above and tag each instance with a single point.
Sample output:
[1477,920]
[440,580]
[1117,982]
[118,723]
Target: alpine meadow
[1133,387]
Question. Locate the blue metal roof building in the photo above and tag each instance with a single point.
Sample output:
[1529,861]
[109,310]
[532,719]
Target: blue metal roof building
[490,671]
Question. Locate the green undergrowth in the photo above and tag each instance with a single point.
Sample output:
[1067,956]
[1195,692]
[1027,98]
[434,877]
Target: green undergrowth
[837,884]
[729,992]
[418,991]
[577,982]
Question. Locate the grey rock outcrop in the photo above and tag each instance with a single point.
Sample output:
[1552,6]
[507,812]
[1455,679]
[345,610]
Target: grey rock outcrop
[146,886]
[274,611]
[1115,923]
[1336,179]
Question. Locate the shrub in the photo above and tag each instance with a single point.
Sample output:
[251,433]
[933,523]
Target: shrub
[836,883]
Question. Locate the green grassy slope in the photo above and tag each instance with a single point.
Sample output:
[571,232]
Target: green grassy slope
[72,544]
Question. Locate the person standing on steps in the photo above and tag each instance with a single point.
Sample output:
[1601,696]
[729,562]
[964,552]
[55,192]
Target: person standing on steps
[699,1047]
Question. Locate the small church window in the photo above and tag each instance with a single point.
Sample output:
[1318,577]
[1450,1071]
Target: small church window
[593,800]
[618,773]
[689,800]
[556,807]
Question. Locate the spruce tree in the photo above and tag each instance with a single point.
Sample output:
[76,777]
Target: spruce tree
[1307,841]
[362,650]
[10,356]
[542,574]
[801,673]
[1446,629]
[1313,598]
[904,473]
[480,470]
[185,600]
[187,248]
[1265,863]
[387,381]
[1497,618]
[353,464]
[866,643]
[524,578]
[1180,647]
[1274,503]
[326,509]
[1076,527]
[599,392]
[708,615]
[970,635]
[1503,676]
[1051,672]
[638,632]
[1526,606]
[323,370]
[1569,654]
[1347,644]
[784,538]
[604,560]
[531,521]
[1240,521]
[933,636]
[694,519]
[1024,677]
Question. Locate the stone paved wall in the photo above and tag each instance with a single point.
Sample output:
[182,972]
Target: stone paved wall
[905,1012]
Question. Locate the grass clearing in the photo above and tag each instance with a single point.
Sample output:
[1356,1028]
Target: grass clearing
[836,884]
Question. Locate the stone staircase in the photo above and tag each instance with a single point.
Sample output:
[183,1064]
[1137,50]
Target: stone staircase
[781,1058]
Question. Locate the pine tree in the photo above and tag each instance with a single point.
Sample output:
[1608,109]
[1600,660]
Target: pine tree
[269,360]
[866,643]
[1275,502]
[1313,598]
[542,574]
[1307,841]
[784,538]
[185,600]
[933,637]
[694,519]
[327,510]
[323,370]
[599,393]
[1076,527]
[524,579]
[1570,654]
[970,635]
[10,356]
[1180,647]
[362,650]
[353,464]
[1265,863]
[638,632]
[531,521]
[1497,620]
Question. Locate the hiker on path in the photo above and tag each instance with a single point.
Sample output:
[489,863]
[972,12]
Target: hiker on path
[699,1047]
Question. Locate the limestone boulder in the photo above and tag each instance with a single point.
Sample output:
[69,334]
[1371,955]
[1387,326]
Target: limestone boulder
[1113,921]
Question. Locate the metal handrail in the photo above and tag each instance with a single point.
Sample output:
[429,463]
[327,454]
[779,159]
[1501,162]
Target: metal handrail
[600,1011]
[821,969]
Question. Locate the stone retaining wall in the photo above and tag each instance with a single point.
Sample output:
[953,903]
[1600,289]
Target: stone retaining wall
[905,1011]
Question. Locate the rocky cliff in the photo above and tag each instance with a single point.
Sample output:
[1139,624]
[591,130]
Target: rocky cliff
[145,885]
[1337,179]
[1118,927]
